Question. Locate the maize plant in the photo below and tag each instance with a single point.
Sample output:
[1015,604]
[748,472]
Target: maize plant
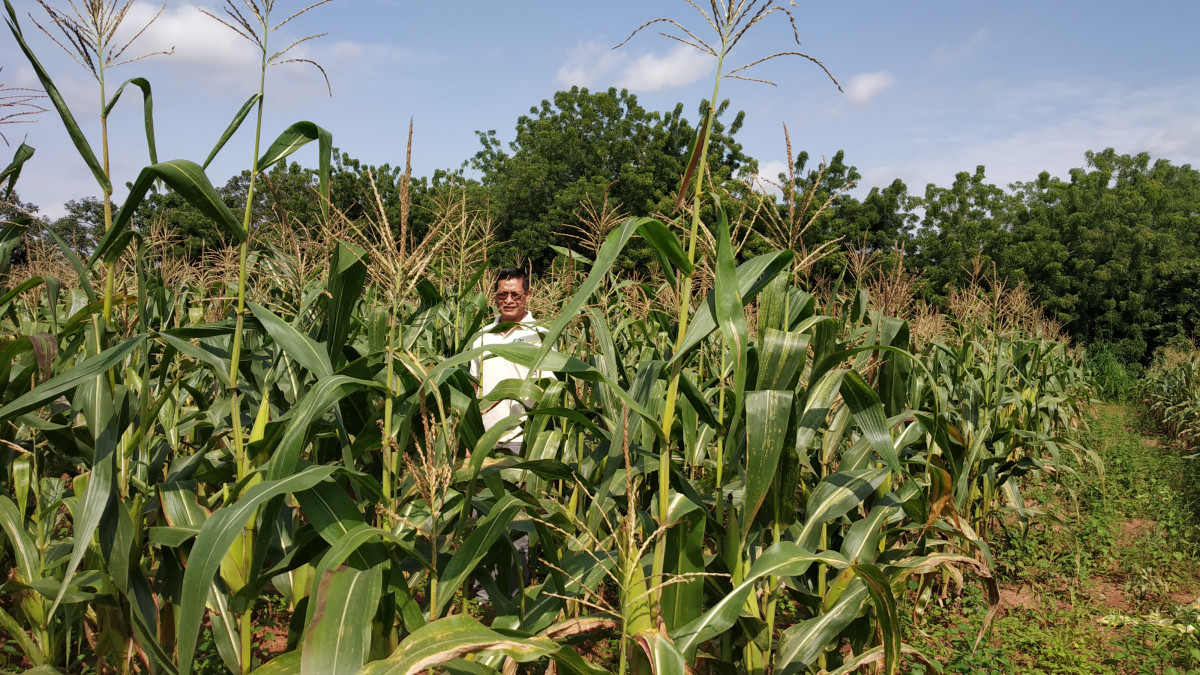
[1171,392]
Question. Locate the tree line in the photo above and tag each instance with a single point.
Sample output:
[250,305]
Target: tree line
[1111,250]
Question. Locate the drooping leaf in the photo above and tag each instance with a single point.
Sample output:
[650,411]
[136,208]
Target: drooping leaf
[886,614]
[184,177]
[292,139]
[13,171]
[147,111]
[453,637]
[867,410]
[298,346]
[783,559]
[77,138]
[71,378]
[800,645]
[834,497]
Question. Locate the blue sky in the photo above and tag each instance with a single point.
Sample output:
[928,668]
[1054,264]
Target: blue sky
[931,88]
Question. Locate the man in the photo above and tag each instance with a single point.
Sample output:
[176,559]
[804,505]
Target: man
[513,324]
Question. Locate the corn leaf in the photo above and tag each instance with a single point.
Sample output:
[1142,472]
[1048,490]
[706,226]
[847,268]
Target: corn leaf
[800,645]
[453,637]
[184,177]
[215,538]
[238,118]
[338,640]
[147,111]
[768,414]
[13,171]
[77,138]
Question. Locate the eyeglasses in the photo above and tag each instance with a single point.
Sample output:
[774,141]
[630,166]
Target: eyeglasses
[503,295]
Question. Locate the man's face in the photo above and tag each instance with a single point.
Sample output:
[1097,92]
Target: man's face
[511,300]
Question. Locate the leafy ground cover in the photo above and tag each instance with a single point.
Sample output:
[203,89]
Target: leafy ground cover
[1105,580]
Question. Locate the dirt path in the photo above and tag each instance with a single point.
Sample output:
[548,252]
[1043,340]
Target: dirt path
[1106,580]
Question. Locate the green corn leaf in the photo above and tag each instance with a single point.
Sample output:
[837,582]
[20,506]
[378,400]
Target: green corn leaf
[862,540]
[867,410]
[819,399]
[664,657]
[695,151]
[77,138]
[666,247]
[834,497]
[768,414]
[683,602]
[752,276]
[11,235]
[298,346]
[606,257]
[886,613]
[71,378]
[349,544]
[316,402]
[147,111]
[17,631]
[238,118]
[781,358]
[213,543]
[474,548]
[218,365]
[102,422]
[347,273]
[731,317]
[287,663]
[453,637]
[338,640]
[531,356]
[7,298]
[783,559]
[292,139]
[25,554]
[225,631]
[184,177]
[800,645]
[13,171]
[72,257]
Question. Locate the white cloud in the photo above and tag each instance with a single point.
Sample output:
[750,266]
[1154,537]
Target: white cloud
[767,179]
[680,67]
[195,38]
[1182,138]
[865,87]
[588,65]
[771,169]
[948,55]
[593,65]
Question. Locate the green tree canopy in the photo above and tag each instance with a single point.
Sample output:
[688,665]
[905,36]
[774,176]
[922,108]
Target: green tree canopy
[583,147]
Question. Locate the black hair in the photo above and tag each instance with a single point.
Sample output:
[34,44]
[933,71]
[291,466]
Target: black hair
[513,273]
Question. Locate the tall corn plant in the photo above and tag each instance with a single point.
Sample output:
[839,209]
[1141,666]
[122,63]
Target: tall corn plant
[1171,392]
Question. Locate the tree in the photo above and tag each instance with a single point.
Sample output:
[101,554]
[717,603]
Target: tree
[1113,251]
[968,219]
[585,147]
[25,214]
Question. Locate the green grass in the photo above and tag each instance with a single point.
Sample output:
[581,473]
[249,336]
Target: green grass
[1125,548]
